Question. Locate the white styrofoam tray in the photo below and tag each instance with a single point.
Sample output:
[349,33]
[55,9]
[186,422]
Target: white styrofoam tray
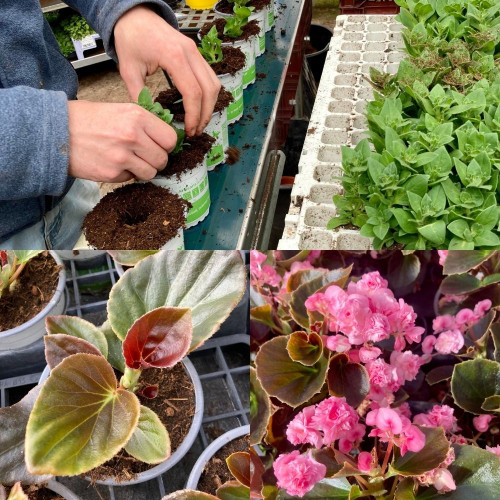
[358,43]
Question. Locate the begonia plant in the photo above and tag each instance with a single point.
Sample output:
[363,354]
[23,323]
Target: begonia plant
[12,264]
[355,395]
[169,304]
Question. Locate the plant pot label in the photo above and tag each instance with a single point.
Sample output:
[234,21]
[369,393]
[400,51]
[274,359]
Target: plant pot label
[217,128]
[270,16]
[249,73]
[261,18]
[234,84]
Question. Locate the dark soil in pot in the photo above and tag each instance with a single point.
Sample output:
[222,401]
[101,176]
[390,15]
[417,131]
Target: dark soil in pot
[175,406]
[38,492]
[171,99]
[233,60]
[250,29]
[135,217]
[216,473]
[33,291]
[192,154]
[227,8]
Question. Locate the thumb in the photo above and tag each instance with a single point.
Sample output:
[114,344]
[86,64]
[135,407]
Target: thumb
[134,78]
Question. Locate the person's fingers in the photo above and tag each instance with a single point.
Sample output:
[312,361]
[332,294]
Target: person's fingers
[161,133]
[140,169]
[149,151]
[134,78]
[123,176]
[180,71]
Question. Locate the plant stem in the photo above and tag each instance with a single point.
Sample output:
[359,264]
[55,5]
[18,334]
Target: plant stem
[17,272]
[387,455]
[130,378]
[393,489]
[362,481]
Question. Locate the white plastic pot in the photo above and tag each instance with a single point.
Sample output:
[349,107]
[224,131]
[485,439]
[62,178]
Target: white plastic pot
[61,490]
[270,16]
[233,84]
[210,451]
[248,47]
[216,128]
[34,329]
[179,453]
[192,186]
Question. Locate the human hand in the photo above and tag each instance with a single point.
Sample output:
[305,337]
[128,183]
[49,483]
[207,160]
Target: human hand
[145,42]
[116,142]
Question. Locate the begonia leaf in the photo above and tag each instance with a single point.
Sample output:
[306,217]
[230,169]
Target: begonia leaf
[438,374]
[405,489]
[331,488]
[303,276]
[77,327]
[115,347]
[260,409]
[59,346]
[349,380]
[130,257]
[429,457]
[239,466]
[458,284]
[16,493]
[491,403]
[160,338]
[150,442]
[210,283]
[232,490]
[81,418]
[305,348]
[257,470]
[473,381]
[291,382]
[462,261]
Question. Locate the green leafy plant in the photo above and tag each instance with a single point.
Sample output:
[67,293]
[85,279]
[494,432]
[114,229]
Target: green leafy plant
[76,27]
[146,101]
[234,24]
[163,308]
[12,264]
[211,47]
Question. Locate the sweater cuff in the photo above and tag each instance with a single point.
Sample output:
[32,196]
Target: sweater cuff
[112,11]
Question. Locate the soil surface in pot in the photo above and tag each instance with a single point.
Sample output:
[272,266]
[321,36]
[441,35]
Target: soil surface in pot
[192,154]
[33,291]
[250,29]
[216,473]
[175,405]
[171,99]
[227,8]
[38,492]
[135,217]
[233,60]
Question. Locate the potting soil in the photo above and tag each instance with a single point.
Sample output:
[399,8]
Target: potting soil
[33,291]
[135,217]
[36,492]
[233,60]
[227,8]
[250,29]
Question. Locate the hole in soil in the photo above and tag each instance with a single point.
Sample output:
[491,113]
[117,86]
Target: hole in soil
[134,219]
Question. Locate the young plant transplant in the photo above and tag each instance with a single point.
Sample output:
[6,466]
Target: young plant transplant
[211,47]
[351,397]
[427,177]
[169,304]
[12,264]
[237,21]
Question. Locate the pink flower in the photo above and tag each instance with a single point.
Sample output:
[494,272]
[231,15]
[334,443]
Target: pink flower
[482,307]
[443,481]
[464,316]
[352,316]
[449,341]
[256,259]
[301,429]
[338,343]
[402,321]
[335,418]
[442,256]
[329,304]
[428,344]
[365,461]
[439,416]
[482,422]
[387,421]
[458,439]
[495,450]
[369,283]
[297,473]
[383,379]
[406,364]
[369,353]
[441,323]
[262,275]
[412,439]
[376,327]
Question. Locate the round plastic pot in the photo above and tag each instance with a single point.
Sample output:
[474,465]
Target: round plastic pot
[233,84]
[261,17]
[248,47]
[320,39]
[217,128]
[61,490]
[210,451]
[34,329]
[179,453]
[192,185]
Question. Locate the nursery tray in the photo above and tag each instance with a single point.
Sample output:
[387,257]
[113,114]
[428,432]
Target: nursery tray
[222,365]
[235,189]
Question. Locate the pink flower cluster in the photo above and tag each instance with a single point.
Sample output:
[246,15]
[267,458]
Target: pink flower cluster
[438,416]
[366,312]
[262,275]
[449,330]
[392,427]
[323,424]
[440,477]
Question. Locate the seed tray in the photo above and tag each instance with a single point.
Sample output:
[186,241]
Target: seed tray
[358,43]
[222,364]
[193,19]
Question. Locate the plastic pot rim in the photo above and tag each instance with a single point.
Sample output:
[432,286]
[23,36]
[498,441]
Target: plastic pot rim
[210,451]
[51,304]
[184,447]
[324,49]
[224,14]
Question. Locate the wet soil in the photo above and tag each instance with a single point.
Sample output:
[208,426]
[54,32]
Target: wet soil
[233,60]
[250,29]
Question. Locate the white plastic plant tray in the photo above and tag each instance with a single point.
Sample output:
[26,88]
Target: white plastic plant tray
[193,19]
[358,43]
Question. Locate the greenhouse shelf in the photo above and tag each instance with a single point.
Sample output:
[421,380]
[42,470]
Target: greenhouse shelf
[222,364]
[359,42]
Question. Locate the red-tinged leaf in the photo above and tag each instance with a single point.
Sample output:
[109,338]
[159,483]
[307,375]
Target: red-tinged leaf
[349,380]
[59,346]
[232,490]
[149,392]
[239,465]
[160,338]
[257,470]
[260,409]
[303,276]
[439,374]
[462,261]
[305,348]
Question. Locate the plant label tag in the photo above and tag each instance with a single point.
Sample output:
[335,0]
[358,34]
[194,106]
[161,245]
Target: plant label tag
[88,42]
